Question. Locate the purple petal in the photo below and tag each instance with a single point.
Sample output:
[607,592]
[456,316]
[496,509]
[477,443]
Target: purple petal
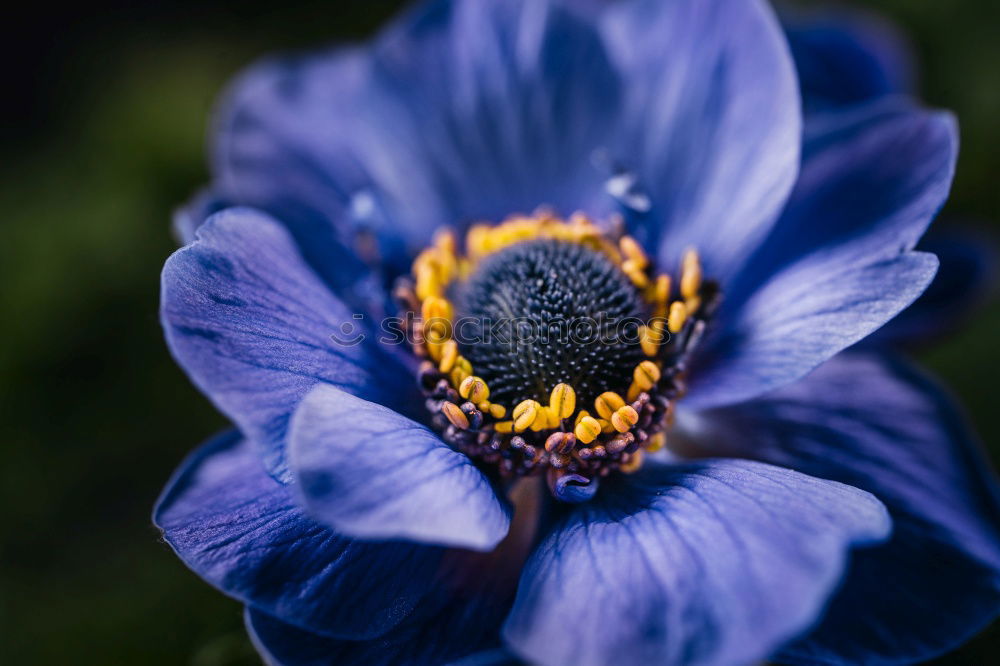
[367,471]
[243,532]
[801,318]
[457,624]
[845,57]
[253,327]
[458,111]
[711,563]
[837,265]
[458,636]
[712,100]
[188,218]
[962,285]
[876,424]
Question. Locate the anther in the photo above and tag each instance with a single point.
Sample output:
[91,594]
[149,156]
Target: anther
[560,442]
[633,251]
[472,413]
[646,375]
[455,415]
[690,274]
[619,443]
[677,317]
[524,414]
[449,354]
[504,427]
[661,291]
[563,400]
[651,337]
[624,418]
[634,271]
[461,370]
[474,388]
[607,403]
[656,442]
[633,463]
[436,309]
[587,429]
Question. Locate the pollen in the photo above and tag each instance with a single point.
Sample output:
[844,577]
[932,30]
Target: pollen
[508,374]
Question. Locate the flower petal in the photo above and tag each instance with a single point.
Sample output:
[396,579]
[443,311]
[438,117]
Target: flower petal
[806,315]
[371,473]
[875,423]
[962,284]
[712,100]
[458,621]
[459,111]
[845,57]
[435,642]
[716,562]
[837,265]
[188,218]
[253,327]
[243,532]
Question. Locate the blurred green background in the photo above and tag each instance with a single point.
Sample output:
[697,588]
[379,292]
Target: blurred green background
[102,135]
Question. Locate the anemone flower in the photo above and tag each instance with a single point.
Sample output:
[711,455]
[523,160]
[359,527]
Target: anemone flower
[539,325]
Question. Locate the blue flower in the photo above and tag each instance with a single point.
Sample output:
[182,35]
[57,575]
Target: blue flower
[817,500]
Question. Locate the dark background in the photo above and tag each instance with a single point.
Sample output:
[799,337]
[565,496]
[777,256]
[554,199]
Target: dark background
[102,133]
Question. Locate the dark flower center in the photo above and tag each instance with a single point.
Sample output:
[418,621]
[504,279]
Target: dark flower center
[553,346]
[544,312]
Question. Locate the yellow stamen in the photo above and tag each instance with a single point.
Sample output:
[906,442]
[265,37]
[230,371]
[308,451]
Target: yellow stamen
[635,273]
[546,419]
[631,249]
[461,370]
[656,442]
[563,400]
[633,464]
[449,354]
[690,274]
[504,427]
[677,317]
[474,389]
[607,403]
[444,240]
[525,414]
[624,418]
[661,291]
[435,343]
[633,392]
[428,283]
[587,429]
[651,337]
[436,310]
[497,411]
[646,374]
